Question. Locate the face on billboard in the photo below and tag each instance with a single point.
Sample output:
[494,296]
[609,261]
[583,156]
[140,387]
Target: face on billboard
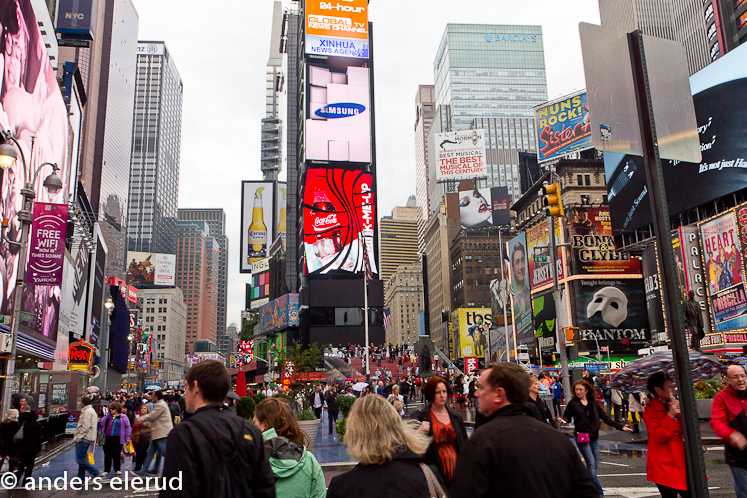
[612,310]
[337,28]
[257,222]
[338,120]
[339,213]
[460,155]
[484,207]
[563,127]
[31,106]
[721,94]
[543,318]
[520,290]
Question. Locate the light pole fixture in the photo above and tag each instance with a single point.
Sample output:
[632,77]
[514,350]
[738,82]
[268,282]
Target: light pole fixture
[8,155]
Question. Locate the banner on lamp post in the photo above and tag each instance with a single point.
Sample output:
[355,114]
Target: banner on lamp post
[46,256]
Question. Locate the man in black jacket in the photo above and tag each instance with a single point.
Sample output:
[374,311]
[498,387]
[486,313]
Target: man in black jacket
[214,453]
[332,411]
[501,457]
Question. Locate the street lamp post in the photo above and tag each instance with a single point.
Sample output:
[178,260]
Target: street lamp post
[53,184]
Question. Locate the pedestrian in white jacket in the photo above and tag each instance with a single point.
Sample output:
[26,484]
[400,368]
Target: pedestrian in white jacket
[85,436]
[161,424]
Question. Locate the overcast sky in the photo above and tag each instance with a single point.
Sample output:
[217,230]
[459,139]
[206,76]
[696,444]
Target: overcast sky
[222,53]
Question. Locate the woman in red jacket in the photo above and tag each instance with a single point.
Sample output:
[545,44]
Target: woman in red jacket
[665,463]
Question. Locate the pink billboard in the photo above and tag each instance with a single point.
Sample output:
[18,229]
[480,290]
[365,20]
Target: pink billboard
[47,248]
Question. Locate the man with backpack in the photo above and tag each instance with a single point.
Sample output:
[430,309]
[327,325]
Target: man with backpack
[214,452]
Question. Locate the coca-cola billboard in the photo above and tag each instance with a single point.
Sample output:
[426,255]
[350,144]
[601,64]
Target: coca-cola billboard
[339,218]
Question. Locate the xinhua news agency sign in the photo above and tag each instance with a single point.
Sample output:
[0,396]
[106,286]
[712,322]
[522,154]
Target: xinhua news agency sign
[47,252]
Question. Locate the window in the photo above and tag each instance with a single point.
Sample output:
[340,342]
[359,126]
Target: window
[587,180]
[579,179]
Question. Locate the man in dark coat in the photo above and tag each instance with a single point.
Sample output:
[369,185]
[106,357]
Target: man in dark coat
[501,457]
[693,320]
[214,453]
[332,411]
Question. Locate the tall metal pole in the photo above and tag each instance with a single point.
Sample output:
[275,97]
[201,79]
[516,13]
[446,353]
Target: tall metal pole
[696,472]
[558,302]
[365,326]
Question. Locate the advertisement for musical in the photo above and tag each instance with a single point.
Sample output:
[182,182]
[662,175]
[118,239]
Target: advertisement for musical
[544,318]
[521,300]
[563,126]
[338,114]
[613,311]
[257,222]
[592,246]
[279,314]
[460,155]
[337,28]
[339,217]
[150,268]
[724,272]
[484,207]
[687,255]
[474,330]
[651,285]
[541,272]
[719,96]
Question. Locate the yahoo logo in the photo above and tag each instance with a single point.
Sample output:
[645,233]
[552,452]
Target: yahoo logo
[342,110]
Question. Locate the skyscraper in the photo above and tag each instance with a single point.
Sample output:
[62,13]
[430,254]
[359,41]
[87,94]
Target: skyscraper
[403,295]
[216,221]
[107,181]
[196,263]
[424,102]
[690,22]
[156,147]
[293,91]
[489,70]
[272,124]
[399,238]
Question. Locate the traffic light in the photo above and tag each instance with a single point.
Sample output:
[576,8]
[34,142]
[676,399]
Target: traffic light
[572,334]
[551,200]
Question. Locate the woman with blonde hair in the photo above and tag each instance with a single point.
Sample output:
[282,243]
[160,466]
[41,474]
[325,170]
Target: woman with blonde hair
[389,451]
[297,473]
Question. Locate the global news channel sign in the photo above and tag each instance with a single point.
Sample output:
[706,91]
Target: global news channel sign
[511,38]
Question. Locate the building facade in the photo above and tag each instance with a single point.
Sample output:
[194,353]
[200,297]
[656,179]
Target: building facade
[156,149]
[475,261]
[216,221]
[398,236]
[403,295]
[164,315]
[424,109]
[196,263]
[272,124]
[110,176]
[489,70]
[685,21]
[439,232]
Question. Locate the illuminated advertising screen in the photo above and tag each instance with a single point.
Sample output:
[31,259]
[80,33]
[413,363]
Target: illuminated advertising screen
[257,222]
[339,217]
[146,268]
[338,116]
[484,207]
[563,127]
[474,330]
[460,155]
[31,106]
[338,28]
[279,314]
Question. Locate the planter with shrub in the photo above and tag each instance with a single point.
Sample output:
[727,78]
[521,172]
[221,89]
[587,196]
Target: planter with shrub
[245,408]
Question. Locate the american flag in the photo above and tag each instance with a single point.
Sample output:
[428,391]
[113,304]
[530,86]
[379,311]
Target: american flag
[387,318]
[367,263]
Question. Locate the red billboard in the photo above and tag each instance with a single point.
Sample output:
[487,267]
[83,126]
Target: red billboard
[339,217]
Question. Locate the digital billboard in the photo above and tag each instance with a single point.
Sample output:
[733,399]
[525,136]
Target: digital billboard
[724,272]
[719,96]
[279,314]
[460,155]
[592,245]
[544,318]
[76,19]
[474,330]
[337,28]
[96,288]
[540,262]
[150,268]
[194,359]
[339,216]
[521,300]
[484,207]
[257,222]
[563,126]
[31,107]
[282,203]
[613,311]
[338,115]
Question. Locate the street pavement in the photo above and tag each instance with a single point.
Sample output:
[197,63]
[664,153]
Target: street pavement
[622,471]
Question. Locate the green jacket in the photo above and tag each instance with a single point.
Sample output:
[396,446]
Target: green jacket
[297,473]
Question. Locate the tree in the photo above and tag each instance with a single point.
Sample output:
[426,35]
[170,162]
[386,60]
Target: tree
[304,360]
[247,328]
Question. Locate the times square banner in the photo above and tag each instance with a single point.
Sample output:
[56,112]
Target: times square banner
[31,106]
[339,217]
